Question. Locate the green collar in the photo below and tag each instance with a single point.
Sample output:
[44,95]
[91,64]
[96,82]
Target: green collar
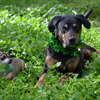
[74,51]
[6,68]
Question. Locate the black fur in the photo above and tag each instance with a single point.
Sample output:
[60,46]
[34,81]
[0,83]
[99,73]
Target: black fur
[72,30]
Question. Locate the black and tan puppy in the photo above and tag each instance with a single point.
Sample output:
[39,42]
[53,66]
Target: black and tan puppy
[14,65]
[67,33]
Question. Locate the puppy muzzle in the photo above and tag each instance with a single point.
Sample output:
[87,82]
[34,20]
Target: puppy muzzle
[7,61]
[72,41]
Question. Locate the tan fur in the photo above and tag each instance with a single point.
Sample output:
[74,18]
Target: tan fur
[10,75]
[77,35]
[98,52]
[72,63]
[17,64]
[64,38]
[66,26]
[50,61]
[87,53]
[74,25]
[64,79]
[41,80]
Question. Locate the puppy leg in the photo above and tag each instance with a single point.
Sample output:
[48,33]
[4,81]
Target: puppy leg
[98,52]
[79,70]
[10,75]
[48,62]
[88,51]
[64,79]
[41,79]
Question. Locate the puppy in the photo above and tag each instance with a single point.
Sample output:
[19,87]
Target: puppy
[66,31]
[14,65]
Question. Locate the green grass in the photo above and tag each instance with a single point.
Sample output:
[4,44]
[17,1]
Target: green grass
[24,34]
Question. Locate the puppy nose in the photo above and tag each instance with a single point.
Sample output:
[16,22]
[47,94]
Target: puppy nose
[10,60]
[72,40]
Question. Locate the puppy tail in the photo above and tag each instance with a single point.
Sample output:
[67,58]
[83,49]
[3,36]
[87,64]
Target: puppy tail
[88,13]
[25,66]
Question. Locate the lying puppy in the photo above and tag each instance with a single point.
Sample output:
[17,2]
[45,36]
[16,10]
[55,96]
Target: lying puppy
[14,65]
[63,45]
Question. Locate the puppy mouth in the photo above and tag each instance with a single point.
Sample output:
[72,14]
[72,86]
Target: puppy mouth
[64,45]
[72,45]
[68,46]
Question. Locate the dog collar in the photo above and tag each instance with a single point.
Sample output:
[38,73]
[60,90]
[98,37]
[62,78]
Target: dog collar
[6,68]
[74,51]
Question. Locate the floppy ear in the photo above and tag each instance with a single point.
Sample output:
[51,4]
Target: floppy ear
[84,21]
[53,23]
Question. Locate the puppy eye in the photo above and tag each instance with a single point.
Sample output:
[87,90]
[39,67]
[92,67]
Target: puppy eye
[76,29]
[63,30]
[3,57]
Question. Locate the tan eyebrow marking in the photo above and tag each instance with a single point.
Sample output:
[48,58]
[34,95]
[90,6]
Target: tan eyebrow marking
[66,26]
[74,25]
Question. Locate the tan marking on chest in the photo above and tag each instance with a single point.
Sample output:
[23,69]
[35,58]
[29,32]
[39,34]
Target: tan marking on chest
[72,63]
[50,61]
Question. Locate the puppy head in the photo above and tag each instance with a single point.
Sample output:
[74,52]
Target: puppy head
[4,58]
[69,28]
